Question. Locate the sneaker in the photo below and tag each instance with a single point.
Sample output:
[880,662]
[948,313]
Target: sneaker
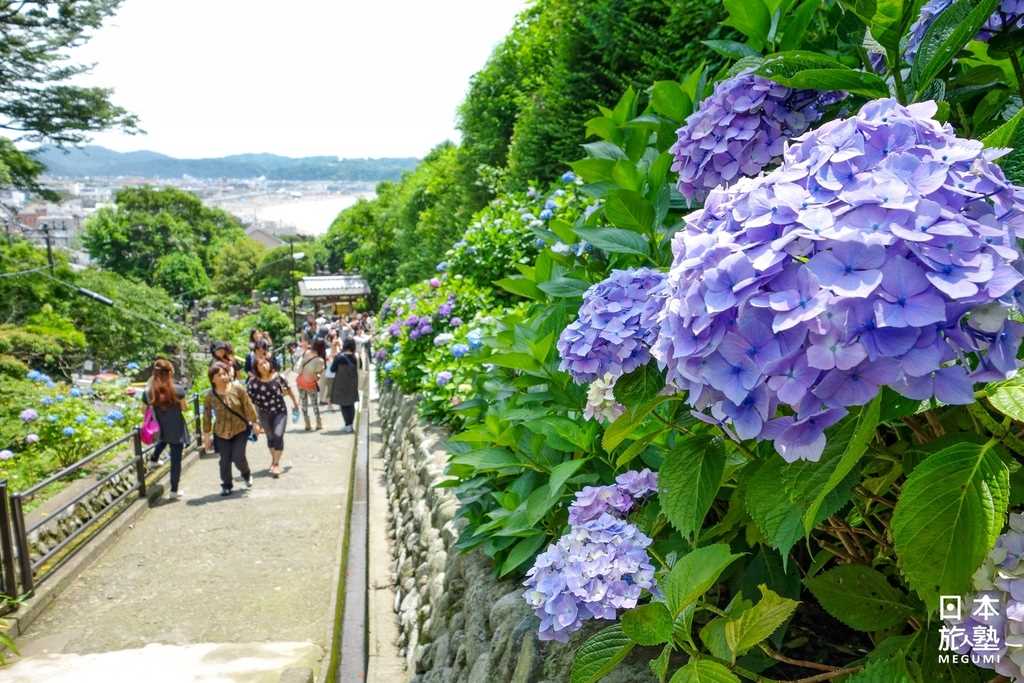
[347,429]
[174,495]
[225,492]
[248,482]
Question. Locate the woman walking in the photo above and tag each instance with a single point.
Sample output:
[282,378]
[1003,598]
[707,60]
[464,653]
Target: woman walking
[267,390]
[167,400]
[345,391]
[327,380]
[236,419]
[311,367]
[224,352]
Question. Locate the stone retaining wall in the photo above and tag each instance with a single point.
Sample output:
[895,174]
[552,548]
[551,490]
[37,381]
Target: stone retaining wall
[458,624]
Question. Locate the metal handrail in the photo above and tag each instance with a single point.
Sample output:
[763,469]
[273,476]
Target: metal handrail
[34,489]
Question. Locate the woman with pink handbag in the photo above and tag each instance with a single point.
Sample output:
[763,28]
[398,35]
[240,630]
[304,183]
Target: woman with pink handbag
[165,406]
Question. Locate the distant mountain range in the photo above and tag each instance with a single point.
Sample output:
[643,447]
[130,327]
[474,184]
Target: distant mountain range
[94,160]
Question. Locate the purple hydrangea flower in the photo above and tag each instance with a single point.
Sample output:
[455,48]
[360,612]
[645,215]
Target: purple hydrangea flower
[882,252]
[32,438]
[445,309]
[435,283]
[741,129]
[28,415]
[455,321]
[6,454]
[444,338]
[638,483]
[443,378]
[412,321]
[599,568]
[380,355]
[394,329]
[614,330]
[616,499]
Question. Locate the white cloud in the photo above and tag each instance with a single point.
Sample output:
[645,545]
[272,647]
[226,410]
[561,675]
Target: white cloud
[335,77]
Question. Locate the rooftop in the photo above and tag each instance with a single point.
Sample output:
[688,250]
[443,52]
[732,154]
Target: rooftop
[334,286]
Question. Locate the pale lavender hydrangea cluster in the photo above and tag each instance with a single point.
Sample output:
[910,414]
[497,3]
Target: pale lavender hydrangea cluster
[617,499]
[600,567]
[881,252]
[614,330]
[999,582]
[741,129]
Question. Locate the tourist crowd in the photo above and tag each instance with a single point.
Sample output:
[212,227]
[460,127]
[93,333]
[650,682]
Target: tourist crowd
[247,398]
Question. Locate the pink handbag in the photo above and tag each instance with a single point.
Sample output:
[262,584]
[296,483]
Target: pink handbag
[150,427]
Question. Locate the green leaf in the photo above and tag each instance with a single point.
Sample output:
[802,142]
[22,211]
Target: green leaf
[784,65]
[948,516]
[600,654]
[659,665]
[751,18]
[860,597]
[649,624]
[887,22]
[867,423]
[514,360]
[617,431]
[853,81]
[758,622]
[567,287]
[669,100]
[947,35]
[594,170]
[625,175]
[615,240]
[561,473]
[703,671]
[488,459]
[731,49]
[694,574]
[1008,398]
[628,209]
[604,150]
[521,286]
[638,386]
[797,25]
[522,552]
[688,481]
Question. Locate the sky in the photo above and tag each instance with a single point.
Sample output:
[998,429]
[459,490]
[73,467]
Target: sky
[352,78]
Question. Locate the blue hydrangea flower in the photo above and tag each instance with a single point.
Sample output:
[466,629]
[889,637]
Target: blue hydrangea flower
[616,499]
[443,378]
[115,415]
[33,375]
[460,350]
[740,130]
[69,431]
[568,177]
[59,398]
[75,392]
[882,252]
[546,214]
[550,205]
[475,338]
[51,418]
[614,330]
[132,367]
[442,266]
[444,338]
[47,400]
[597,569]
[539,243]
[81,419]
[389,366]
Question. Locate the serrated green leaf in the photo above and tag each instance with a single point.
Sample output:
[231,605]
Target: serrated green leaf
[638,386]
[951,30]
[1008,399]
[948,516]
[688,481]
[619,430]
[659,665]
[564,287]
[867,423]
[649,624]
[751,18]
[731,49]
[860,597]
[704,671]
[514,360]
[694,574]
[522,552]
[625,175]
[594,170]
[628,209]
[600,654]
[604,150]
[888,670]
[521,286]
[669,100]
[615,240]
[849,80]
[758,622]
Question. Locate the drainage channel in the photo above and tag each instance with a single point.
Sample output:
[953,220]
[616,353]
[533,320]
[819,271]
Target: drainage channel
[352,667]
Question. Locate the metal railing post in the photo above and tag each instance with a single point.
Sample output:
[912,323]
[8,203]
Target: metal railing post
[140,464]
[21,539]
[10,581]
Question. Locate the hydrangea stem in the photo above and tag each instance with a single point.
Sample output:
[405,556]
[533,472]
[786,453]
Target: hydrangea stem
[1017,71]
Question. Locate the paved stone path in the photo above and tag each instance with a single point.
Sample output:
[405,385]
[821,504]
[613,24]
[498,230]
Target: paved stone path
[207,588]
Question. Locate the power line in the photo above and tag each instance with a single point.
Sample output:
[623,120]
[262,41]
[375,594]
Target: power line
[24,272]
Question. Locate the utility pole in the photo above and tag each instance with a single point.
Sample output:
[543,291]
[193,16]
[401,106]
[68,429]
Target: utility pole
[49,247]
[291,272]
